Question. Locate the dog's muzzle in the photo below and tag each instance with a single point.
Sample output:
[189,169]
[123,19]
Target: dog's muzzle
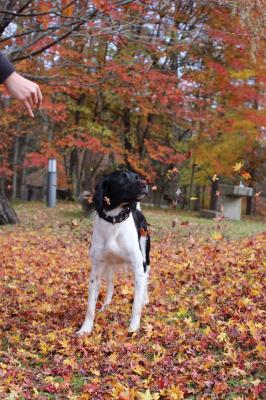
[143,189]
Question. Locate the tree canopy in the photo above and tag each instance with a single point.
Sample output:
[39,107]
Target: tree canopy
[157,86]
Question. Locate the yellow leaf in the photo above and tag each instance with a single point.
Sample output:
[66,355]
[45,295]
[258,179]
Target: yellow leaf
[147,395]
[256,382]
[44,347]
[206,330]
[182,312]
[189,322]
[246,175]
[126,290]
[243,74]
[139,370]
[52,336]
[237,167]
[215,178]
[45,307]
[70,361]
[3,366]
[49,379]
[222,337]
[14,338]
[75,222]
[113,358]
[216,235]
[95,372]
[261,348]
[158,357]
[87,340]
[49,291]
[148,329]
[176,393]
[64,343]
[119,391]
[247,302]
[160,353]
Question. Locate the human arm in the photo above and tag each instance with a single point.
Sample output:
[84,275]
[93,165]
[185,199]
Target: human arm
[6,68]
[22,89]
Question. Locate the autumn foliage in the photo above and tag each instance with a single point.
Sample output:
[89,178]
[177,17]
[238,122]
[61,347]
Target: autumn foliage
[125,80]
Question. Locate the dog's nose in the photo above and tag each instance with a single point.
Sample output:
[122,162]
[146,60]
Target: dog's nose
[143,183]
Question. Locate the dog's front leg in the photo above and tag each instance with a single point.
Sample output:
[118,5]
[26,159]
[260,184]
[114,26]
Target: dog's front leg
[140,284]
[110,287]
[94,287]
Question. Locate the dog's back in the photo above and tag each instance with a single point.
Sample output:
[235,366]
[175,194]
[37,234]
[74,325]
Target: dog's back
[143,234]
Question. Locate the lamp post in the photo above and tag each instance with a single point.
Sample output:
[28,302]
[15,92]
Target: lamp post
[51,185]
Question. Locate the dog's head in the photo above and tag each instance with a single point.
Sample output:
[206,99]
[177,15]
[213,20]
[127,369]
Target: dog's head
[120,187]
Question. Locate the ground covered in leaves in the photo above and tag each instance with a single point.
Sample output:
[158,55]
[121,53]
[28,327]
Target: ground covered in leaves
[202,335]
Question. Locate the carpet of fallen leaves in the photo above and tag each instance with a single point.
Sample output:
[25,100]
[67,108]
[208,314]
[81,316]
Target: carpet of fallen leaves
[202,335]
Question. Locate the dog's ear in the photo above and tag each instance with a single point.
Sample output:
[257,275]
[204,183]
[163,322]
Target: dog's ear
[99,196]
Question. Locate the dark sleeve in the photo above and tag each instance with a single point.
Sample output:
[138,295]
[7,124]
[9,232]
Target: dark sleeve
[6,68]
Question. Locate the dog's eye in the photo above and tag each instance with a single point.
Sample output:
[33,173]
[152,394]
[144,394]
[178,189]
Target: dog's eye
[124,178]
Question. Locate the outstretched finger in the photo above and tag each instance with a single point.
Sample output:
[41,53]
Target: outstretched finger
[30,100]
[28,107]
[34,98]
[39,94]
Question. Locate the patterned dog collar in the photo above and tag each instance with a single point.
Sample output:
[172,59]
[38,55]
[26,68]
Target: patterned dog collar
[116,219]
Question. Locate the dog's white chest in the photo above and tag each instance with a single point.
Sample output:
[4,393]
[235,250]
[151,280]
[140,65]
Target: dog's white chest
[112,251]
[116,243]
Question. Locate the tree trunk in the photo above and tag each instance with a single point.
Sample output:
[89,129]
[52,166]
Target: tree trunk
[24,173]
[214,197]
[127,142]
[7,213]
[249,209]
[15,168]
[203,194]
[74,167]
[198,196]
[251,203]
[191,185]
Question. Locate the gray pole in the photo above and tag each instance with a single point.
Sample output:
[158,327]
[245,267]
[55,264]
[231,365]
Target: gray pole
[52,182]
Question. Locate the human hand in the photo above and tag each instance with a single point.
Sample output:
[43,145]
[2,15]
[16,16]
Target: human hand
[24,90]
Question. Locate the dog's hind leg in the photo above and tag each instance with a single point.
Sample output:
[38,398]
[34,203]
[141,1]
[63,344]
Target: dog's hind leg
[140,282]
[94,288]
[146,295]
[110,287]
[144,242]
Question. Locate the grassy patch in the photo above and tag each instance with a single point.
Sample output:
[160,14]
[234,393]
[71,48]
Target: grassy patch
[180,223]
[185,224]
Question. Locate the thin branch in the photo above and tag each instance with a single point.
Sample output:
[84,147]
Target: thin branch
[46,47]
[81,22]
[51,28]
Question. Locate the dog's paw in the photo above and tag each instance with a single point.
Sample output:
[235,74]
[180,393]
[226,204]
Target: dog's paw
[84,330]
[145,302]
[133,327]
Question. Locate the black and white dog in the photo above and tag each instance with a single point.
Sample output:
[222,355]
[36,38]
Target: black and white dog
[120,236]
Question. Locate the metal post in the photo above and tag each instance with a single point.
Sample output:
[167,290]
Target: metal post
[52,181]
